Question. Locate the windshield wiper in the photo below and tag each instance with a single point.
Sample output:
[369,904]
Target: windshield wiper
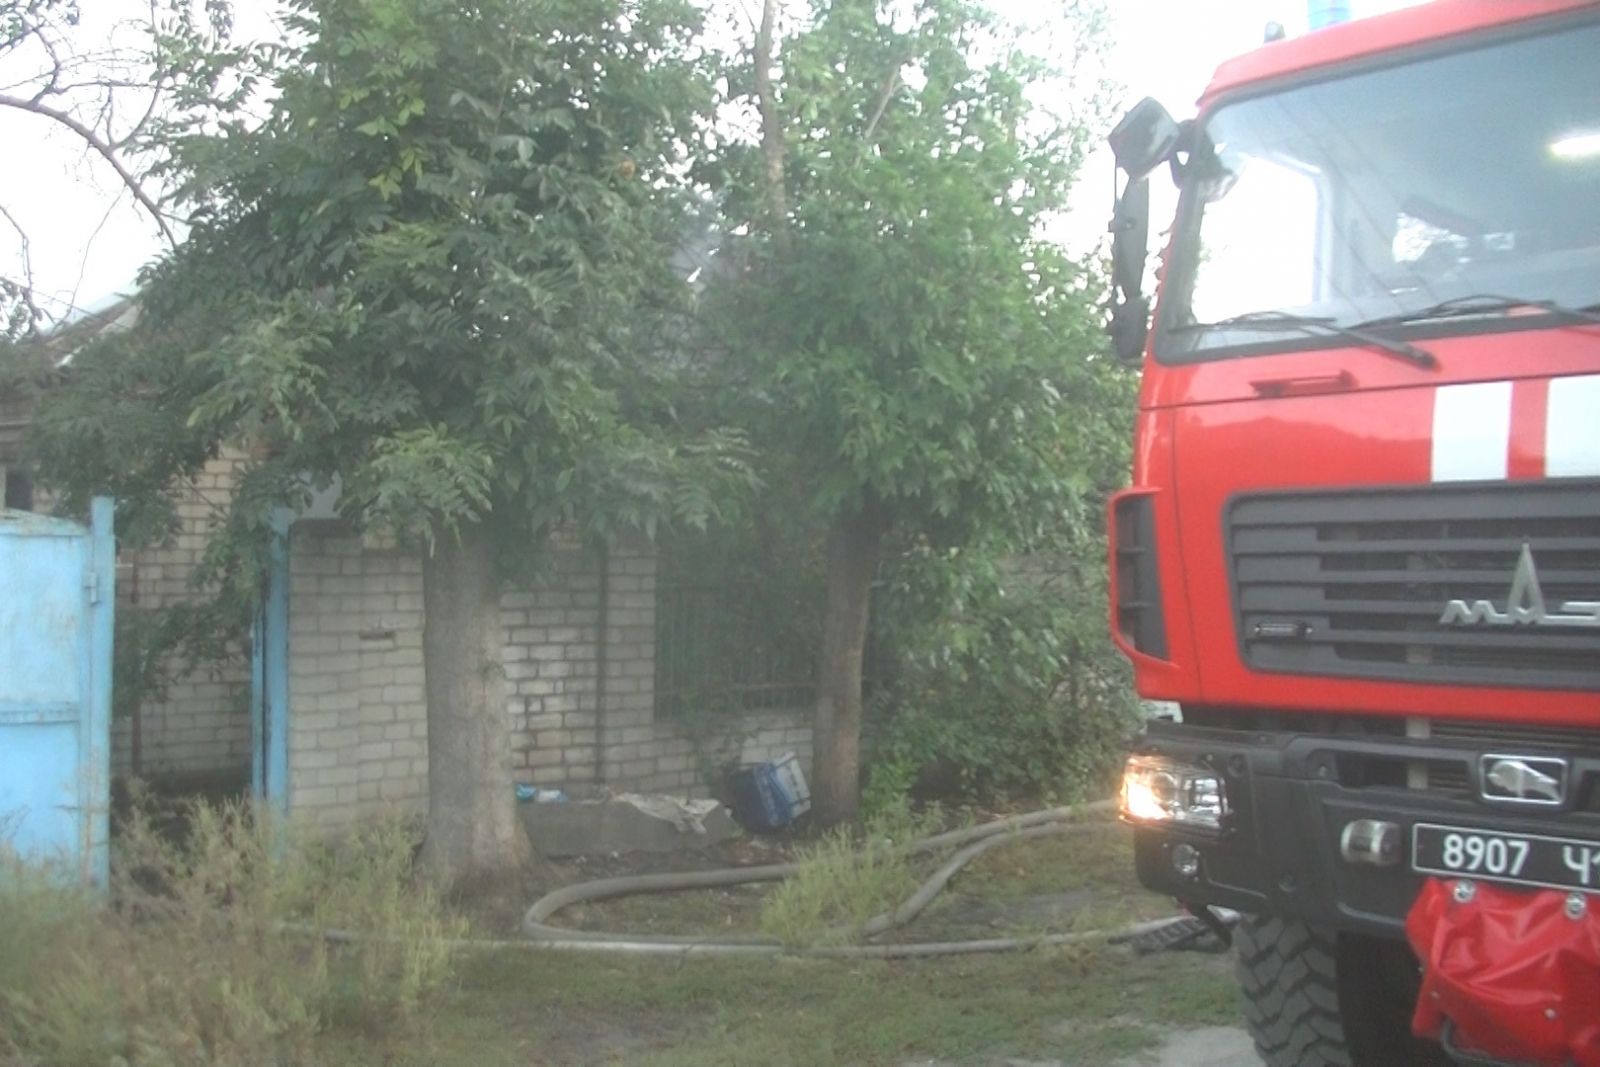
[1283,320]
[1462,307]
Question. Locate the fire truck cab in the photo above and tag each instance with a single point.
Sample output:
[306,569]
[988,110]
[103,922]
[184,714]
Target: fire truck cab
[1361,547]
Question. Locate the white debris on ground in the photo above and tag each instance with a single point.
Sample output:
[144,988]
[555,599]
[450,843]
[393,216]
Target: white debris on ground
[687,815]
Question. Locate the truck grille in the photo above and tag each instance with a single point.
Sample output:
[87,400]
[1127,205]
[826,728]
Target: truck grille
[1354,584]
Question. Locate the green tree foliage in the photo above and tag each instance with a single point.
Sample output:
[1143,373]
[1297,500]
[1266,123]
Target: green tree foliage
[922,357]
[441,270]
[999,679]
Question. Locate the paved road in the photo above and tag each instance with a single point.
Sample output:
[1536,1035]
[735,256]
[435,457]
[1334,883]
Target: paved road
[1213,1046]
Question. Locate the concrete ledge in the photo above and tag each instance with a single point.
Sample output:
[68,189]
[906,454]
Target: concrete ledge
[601,826]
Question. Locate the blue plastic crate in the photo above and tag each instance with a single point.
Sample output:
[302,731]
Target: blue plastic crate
[770,795]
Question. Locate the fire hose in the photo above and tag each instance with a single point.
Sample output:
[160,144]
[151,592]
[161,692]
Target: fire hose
[971,842]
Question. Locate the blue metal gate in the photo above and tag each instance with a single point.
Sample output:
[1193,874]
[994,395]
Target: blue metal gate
[56,595]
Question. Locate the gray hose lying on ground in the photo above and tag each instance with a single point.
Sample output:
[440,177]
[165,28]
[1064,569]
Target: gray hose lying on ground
[973,842]
[534,926]
[976,839]
[659,947]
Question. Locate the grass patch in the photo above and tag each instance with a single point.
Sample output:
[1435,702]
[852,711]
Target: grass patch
[1084,1004]
[847,878]
[1099,856]
[188,963]
[189,968]
[522,1009]
[712,913]
[1080,880]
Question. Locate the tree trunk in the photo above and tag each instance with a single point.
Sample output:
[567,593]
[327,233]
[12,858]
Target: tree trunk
[854,546]
[773,147]
[474,840]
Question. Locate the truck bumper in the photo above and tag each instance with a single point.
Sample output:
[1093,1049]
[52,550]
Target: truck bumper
[1291,795]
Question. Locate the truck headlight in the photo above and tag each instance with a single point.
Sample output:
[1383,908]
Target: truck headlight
[1159,790]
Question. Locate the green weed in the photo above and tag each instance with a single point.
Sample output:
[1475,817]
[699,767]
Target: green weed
[188,961]
[365,885]
[846,879]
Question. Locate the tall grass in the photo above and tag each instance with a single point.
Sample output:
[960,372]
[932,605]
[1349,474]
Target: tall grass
[847,878]
[189,961]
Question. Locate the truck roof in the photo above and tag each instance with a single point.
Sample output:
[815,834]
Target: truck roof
[1376,35]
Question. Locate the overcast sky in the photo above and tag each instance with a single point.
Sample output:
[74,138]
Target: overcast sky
[88,242]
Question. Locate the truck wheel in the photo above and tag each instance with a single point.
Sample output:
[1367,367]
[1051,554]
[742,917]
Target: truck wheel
[1316,999]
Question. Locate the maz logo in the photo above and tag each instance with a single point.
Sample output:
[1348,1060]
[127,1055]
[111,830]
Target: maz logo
[1524,606]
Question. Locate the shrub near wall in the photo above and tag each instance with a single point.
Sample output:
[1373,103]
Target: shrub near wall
[999,679]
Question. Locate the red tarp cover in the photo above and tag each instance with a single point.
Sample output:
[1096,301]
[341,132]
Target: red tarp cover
[1516,975]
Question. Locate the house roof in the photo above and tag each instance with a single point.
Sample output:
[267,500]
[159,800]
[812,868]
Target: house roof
[55,347]
[113,313]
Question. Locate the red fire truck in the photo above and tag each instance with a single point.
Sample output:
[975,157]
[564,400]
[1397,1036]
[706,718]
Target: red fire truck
[1361,550]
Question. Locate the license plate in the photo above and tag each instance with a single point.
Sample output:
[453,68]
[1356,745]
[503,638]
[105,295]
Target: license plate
[1524,859]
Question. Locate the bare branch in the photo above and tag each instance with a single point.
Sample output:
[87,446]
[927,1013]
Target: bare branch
[744,9]
[156,92]
[54,82]
[83,264]
[890,84]
[24,290]
[106,152]
[94,83]
[22,235]
[772,134]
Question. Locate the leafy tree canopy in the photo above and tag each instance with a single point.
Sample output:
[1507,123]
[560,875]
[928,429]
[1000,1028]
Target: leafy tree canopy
[904,337]
[440,269]
[917,337]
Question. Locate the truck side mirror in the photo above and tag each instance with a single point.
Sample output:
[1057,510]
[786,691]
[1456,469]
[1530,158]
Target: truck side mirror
[1146,137]
[1130,236]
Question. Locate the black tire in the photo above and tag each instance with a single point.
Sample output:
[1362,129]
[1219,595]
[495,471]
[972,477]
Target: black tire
[1316,999]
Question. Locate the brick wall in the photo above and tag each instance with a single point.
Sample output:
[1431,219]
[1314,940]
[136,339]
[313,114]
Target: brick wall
[673,762]
[357,724]
[553,667]
[579,712]
[552,659]
[202,727]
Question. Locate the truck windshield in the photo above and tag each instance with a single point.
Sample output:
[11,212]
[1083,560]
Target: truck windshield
[1382,193]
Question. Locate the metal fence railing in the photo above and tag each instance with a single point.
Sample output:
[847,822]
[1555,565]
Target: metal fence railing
[729,647]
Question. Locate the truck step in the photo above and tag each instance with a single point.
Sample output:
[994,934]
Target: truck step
[1188,934]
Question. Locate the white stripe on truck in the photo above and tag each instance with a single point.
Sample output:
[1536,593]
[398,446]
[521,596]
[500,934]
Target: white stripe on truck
[1572,427]
[1471,431]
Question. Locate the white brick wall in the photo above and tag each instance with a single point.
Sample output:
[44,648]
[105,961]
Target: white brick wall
[203,725]
[357,723]
[662,758]
[358,729]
